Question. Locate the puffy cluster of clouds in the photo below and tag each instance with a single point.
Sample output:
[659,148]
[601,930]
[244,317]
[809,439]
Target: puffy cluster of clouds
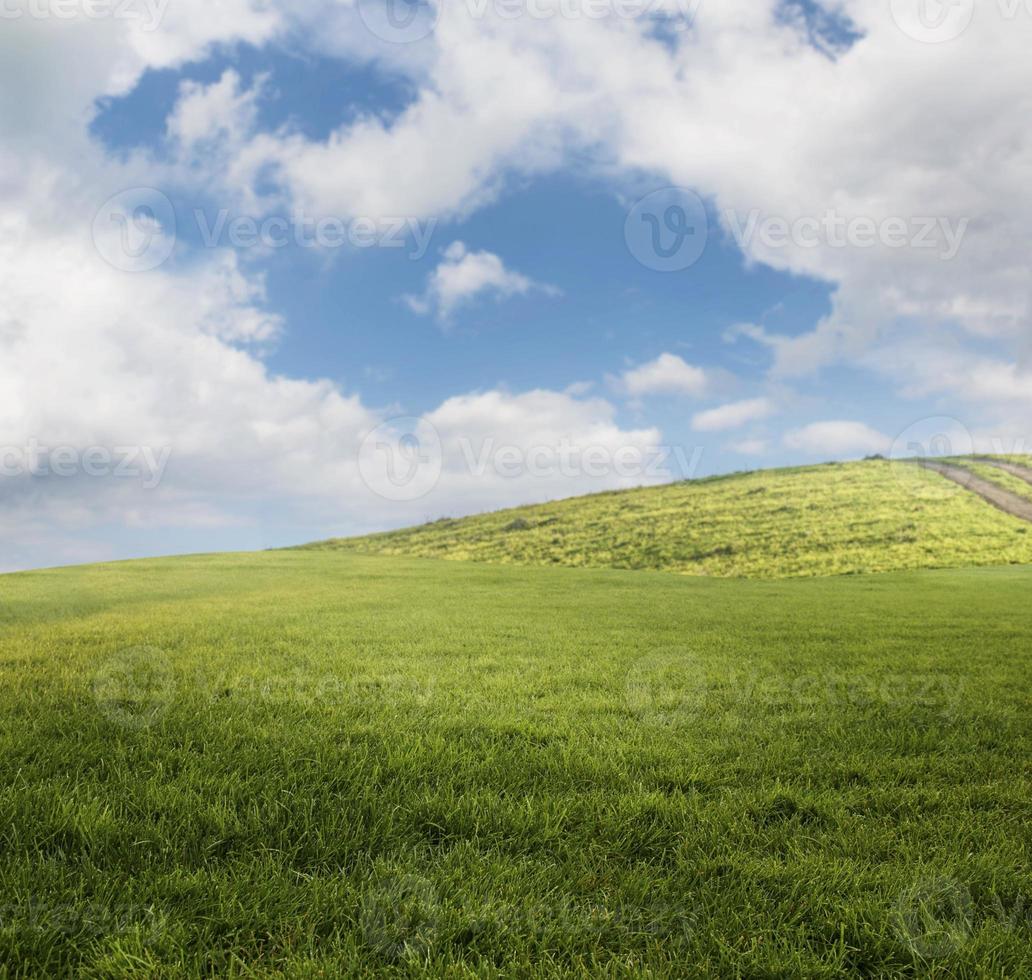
[747,109]
[756,106]
[462,276]
[668,374]
[742,101]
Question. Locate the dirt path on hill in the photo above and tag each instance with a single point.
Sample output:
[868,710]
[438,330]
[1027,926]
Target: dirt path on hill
[1015,469]
[1009,503]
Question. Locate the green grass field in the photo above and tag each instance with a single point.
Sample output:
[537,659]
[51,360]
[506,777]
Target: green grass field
[836,519]
[327,764]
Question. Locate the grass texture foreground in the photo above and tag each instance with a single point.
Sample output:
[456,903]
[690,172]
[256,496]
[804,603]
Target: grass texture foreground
[321,764]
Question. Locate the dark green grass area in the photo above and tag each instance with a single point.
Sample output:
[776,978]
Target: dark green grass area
[309,764]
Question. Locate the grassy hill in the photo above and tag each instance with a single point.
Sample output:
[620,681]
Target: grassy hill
[834,519]
[309,764]
[1014,484]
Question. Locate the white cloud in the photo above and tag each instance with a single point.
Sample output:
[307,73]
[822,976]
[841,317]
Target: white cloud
[170,359]
[501,449]
[109,55]
[750,447]
[733,415]
[937,364]
[464,275]
[817,131]
[668,374]
[837,439]
[208,117]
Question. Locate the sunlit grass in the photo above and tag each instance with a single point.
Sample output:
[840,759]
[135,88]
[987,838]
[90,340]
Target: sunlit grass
[1001,478]
[825,520]
[308,764]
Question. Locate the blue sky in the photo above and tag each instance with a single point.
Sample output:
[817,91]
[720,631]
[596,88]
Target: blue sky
[344,309]
[531,156]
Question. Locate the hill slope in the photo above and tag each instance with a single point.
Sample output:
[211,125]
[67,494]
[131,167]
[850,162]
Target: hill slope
[833,519]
